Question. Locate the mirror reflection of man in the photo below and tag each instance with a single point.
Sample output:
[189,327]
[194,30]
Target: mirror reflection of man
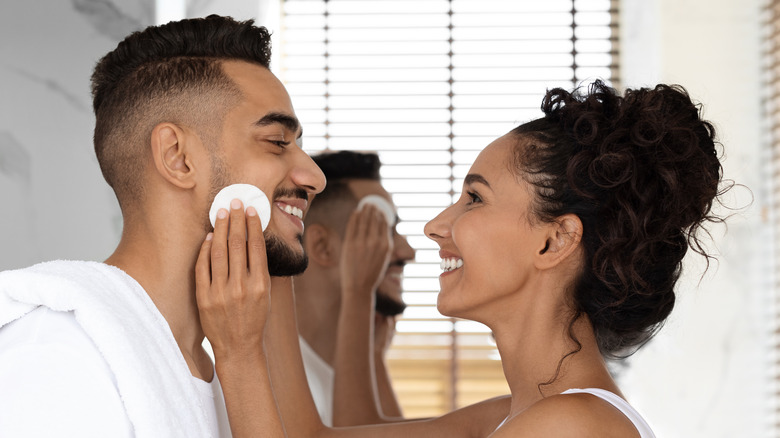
[348,299]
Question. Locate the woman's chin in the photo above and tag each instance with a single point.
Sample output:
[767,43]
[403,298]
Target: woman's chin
[447,307]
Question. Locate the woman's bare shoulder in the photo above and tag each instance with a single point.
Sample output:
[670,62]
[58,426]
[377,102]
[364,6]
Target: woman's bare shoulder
[580,415]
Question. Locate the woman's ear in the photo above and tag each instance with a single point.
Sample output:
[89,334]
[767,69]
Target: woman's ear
[173,155]
[322,245]
[562,240]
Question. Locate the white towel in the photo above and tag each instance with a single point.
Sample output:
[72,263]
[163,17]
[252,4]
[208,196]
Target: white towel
[153,379]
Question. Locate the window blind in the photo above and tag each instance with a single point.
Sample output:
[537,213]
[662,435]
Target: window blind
[427,84]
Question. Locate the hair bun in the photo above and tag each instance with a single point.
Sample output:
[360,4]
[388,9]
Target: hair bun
[641,172]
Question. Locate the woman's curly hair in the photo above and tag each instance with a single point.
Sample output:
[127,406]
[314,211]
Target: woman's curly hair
[641,172]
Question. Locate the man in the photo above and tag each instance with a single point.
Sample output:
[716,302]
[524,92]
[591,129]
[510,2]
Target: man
[114,349]
[341,325]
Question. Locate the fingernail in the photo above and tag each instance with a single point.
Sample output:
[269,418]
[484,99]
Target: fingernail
[251,211]
[222,213]
[235,204]
[209,236]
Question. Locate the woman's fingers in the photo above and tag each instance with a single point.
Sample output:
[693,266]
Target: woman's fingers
[366,221]
[258,262]
[380,226]
[232,281]
[219,250]
[203,271]
[237,240]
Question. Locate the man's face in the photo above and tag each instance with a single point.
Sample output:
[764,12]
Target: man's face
[260,145]
[390,288]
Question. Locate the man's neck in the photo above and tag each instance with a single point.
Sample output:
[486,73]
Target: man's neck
[317,306]
[165,268]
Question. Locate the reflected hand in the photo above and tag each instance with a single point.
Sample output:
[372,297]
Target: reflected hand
[365,252]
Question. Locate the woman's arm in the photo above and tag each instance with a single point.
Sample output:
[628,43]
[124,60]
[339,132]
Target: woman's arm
[232,291]
[297,407]
[233,301]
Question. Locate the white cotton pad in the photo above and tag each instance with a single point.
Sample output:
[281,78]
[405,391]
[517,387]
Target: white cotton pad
[249,195]
[382,204]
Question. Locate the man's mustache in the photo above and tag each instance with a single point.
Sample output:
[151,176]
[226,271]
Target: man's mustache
[292,192]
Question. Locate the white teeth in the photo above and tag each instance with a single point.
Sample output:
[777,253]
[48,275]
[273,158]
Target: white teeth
[450,264]
[295,211]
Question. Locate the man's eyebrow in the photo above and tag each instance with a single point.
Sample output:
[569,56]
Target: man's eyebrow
[475,178]
[286,120]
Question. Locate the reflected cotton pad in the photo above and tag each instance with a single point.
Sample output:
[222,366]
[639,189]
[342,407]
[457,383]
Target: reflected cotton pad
[249,195]
[382,204]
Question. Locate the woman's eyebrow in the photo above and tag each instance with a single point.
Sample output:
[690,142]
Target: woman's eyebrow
[476,178]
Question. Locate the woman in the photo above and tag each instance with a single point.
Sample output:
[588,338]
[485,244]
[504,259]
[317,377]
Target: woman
[567,241]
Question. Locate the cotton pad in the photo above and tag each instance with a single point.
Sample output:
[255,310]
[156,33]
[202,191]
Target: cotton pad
[382,204]
[249,195]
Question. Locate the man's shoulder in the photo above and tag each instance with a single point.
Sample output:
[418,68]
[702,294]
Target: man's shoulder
[59,280]
[48,346]
[55,381]
[43,328]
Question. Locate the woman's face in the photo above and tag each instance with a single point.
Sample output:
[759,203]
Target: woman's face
[487,238]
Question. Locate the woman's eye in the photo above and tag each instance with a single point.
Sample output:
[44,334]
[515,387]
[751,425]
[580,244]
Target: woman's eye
[282,144]
[473,198]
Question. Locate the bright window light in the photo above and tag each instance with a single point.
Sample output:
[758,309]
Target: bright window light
[427,84]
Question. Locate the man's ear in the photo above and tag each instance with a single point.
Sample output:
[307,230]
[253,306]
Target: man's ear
[562,240]
[322,245]
[172,155]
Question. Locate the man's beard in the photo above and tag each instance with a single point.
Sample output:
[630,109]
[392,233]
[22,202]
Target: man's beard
[283,261]
[388,306]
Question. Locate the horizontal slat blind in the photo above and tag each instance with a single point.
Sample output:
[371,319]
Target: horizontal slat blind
[428,84]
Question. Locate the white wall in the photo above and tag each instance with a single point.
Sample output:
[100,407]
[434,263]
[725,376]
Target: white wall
[707,374]
[55,203]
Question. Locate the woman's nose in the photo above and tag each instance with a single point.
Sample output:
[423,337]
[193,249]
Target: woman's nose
[439,227]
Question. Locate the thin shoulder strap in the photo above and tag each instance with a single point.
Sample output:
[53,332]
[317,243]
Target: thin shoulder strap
[641,425]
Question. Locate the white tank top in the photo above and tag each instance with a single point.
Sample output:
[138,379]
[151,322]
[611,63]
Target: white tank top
[622,405]
[641,425]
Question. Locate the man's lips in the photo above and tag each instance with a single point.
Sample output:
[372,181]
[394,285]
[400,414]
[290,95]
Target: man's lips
[293,209]
[292,202]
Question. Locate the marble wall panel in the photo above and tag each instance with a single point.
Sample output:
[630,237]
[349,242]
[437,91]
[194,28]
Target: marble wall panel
[55,203]
[708,372]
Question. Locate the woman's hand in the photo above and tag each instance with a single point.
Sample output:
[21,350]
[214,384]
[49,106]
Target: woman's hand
[232,283]
[232,287]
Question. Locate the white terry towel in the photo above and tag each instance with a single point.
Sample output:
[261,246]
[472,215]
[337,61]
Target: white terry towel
[153,379]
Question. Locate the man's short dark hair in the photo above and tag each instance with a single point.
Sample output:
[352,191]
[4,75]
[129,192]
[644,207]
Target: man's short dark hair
[339,168]
[348,165]
[168,73]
